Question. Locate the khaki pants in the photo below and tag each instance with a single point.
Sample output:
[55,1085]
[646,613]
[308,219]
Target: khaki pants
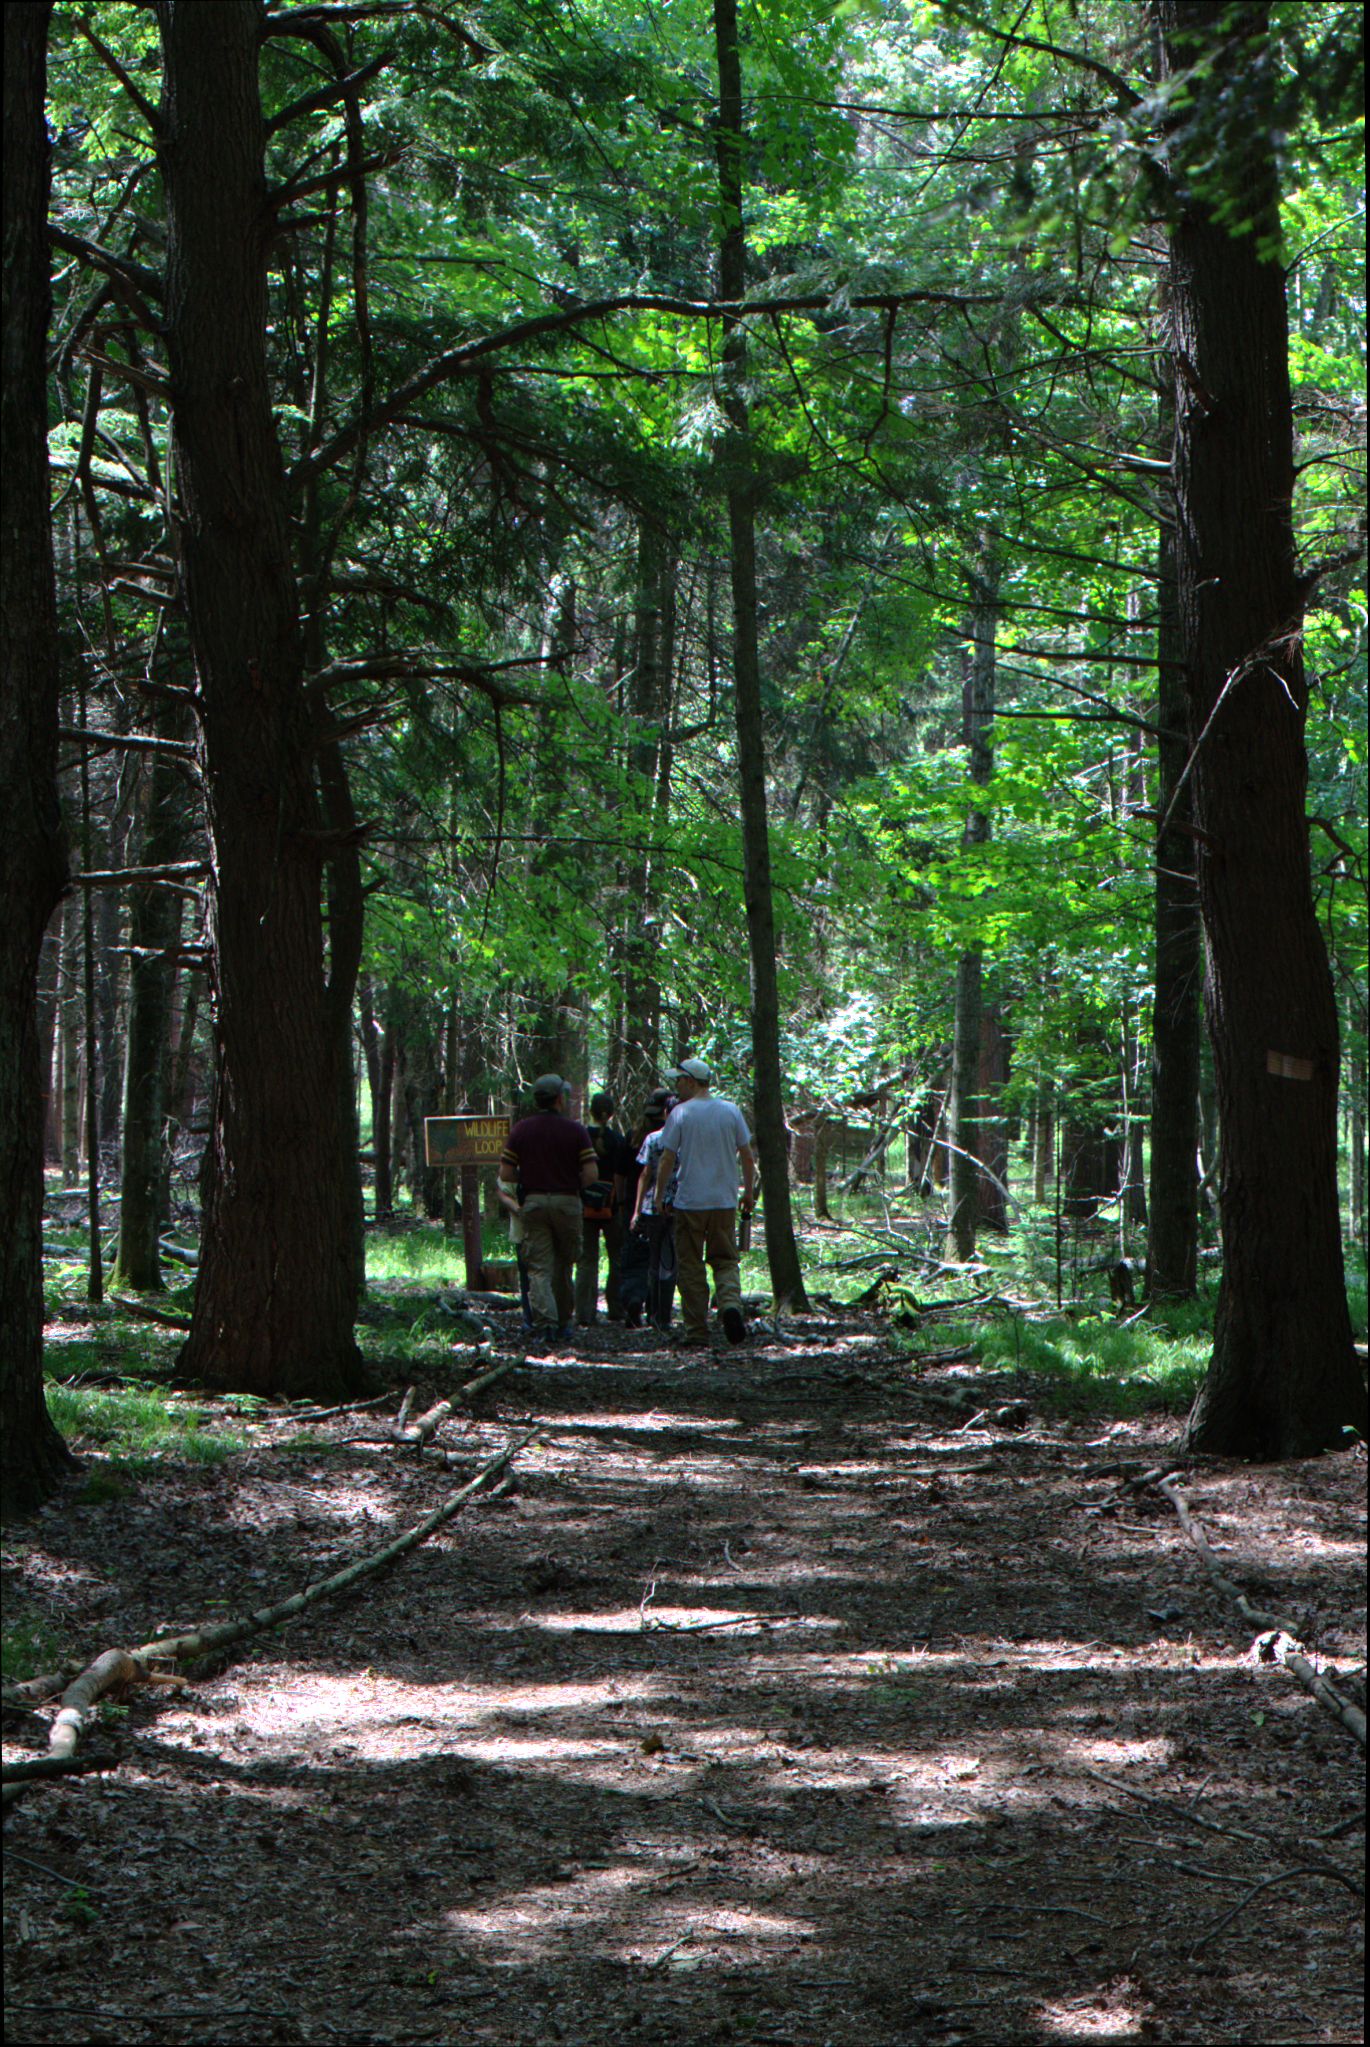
[706,1234]
[551,1246]
[610,1231]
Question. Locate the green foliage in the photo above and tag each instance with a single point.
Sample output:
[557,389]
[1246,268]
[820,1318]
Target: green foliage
[1091,1364]
[994,179]
[129,1423]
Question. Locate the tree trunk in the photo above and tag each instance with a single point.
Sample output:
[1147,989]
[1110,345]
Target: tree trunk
[963,1130]
[1356,1144]
[69,1087]
[963,1106]
[993,1142]
[636,1057]
[111,851]
[1043,1144]
[277,1291]
[49,976]
[154,921]
[782,1251]
[821,1139]
[32,854]
[1177,1025]
[1284,1380]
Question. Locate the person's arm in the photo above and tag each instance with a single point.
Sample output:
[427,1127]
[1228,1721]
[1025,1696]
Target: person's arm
[507,1178]
[641,1186]
[748,1158]
[507,1195]
[663,1178]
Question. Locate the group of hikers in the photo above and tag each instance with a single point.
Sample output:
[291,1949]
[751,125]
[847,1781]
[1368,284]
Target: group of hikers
[664,1204]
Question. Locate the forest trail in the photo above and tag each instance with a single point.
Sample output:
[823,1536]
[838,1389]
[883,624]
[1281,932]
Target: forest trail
[773,1704]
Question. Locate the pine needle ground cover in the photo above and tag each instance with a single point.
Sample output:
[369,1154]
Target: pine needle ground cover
[842,1687]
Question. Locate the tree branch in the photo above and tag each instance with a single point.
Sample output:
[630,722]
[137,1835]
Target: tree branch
[324,95]
[111,63]
[467,361]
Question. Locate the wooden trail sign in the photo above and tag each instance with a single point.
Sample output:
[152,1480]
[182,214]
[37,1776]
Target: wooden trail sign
[467,1142]
[464,1140]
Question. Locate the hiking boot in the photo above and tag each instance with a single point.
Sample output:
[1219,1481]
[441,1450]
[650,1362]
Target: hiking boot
[734,1327]
[686,1341]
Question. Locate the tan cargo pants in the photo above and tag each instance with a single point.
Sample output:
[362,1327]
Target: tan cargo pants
[706,1234]
[551,1246]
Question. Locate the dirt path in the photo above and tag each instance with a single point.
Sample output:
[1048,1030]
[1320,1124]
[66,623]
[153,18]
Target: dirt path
[764,1709]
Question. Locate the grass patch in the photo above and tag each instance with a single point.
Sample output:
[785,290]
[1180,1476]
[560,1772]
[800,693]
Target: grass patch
[27,1647]
[427,1253]
[1094,1365]
[133,1422]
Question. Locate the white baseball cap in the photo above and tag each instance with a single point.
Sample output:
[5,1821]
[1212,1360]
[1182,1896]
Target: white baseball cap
[692,1069]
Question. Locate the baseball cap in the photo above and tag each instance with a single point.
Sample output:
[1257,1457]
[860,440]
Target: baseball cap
[548,1087]
[693,1069]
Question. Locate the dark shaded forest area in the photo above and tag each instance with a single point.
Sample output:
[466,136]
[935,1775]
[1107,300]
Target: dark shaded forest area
[824,543]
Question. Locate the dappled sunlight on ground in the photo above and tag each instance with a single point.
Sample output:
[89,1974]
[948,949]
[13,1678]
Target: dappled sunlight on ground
[610,1905]
[1107,2016]
[733,1720]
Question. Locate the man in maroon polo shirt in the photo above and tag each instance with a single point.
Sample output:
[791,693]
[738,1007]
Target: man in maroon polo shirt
[551,1158]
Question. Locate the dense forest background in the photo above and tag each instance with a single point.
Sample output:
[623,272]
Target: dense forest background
[571,535]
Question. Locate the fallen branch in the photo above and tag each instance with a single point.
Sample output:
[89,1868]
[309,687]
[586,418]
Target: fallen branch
[1277,1641]
[484,1379]
[31,1769]
[427,1425]
[1271,1843]
[1267,1883]
[145,1314]
[118,1666]
[325,1414]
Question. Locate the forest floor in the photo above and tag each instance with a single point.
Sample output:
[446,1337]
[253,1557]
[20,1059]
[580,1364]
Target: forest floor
[777,1702]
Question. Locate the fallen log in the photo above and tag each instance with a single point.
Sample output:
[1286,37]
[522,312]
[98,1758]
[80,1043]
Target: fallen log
[484,1379]
[146,1314]
[1276,1641]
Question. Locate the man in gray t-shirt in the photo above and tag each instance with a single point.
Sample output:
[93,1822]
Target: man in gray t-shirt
[702,1145]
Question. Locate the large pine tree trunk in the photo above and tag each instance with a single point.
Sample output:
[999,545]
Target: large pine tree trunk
[277,1291]
[32,854]
[1176,1027]
[1283,1380]
[782,1251]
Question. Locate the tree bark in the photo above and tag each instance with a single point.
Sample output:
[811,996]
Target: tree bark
[782,1251]
[32,852]
[636,1057]
[963,1105]
[963,1128]
[1283,1380]
[277,1292]
[993,1146]
[154,922]
[1176,1024]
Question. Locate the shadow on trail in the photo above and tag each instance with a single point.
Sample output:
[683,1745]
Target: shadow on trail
[764,1710]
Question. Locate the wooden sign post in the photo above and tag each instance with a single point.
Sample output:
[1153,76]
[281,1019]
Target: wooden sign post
[467,1142]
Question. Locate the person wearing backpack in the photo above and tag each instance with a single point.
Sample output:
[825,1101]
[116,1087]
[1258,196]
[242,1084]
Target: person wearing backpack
[648,1280]
[704,1141]
[603,1215]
